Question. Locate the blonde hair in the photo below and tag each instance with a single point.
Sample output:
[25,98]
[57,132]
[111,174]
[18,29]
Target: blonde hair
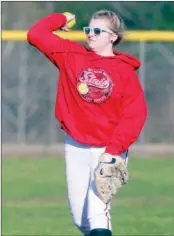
[116,23]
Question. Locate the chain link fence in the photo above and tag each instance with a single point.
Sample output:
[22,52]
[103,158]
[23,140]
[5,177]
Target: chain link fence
[29,84]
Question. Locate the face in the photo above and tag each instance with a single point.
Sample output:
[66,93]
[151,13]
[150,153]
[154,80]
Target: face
[100,41]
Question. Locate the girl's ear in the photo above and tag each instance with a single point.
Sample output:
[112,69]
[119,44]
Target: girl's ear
[114,38]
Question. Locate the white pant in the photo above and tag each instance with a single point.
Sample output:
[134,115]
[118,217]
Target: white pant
[87,210]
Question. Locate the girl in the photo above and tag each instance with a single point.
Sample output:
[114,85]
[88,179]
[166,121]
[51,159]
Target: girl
[100,105]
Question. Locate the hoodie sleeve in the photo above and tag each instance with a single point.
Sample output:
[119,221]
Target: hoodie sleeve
[132,118]
[52,46]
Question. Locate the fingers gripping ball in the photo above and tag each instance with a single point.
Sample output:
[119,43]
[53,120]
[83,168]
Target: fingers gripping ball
[70,22]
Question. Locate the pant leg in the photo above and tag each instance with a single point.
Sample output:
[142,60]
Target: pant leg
[78,178]
[98,211]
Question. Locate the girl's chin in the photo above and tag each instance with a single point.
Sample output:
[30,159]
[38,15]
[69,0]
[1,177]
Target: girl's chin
[91,43]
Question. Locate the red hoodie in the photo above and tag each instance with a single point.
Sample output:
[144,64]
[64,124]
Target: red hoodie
[100,101]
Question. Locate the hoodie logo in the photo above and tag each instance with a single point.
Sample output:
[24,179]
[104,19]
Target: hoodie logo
[94,85]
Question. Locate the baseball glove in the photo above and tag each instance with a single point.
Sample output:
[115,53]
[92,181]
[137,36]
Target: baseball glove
[110,174]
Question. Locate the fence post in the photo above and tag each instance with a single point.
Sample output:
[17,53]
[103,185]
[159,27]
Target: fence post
[52,125]
[21,121]
[142,79]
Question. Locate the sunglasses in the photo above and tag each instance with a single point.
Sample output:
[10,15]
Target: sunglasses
[96,31]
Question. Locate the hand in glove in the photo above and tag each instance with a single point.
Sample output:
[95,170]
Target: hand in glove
[110,174]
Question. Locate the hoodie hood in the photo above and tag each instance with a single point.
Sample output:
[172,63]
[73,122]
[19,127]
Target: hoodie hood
[129,59]
[124,57]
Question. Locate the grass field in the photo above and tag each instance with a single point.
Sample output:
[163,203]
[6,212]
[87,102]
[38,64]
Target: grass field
[34,199]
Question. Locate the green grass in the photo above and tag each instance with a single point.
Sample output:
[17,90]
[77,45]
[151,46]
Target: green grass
[34,198]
